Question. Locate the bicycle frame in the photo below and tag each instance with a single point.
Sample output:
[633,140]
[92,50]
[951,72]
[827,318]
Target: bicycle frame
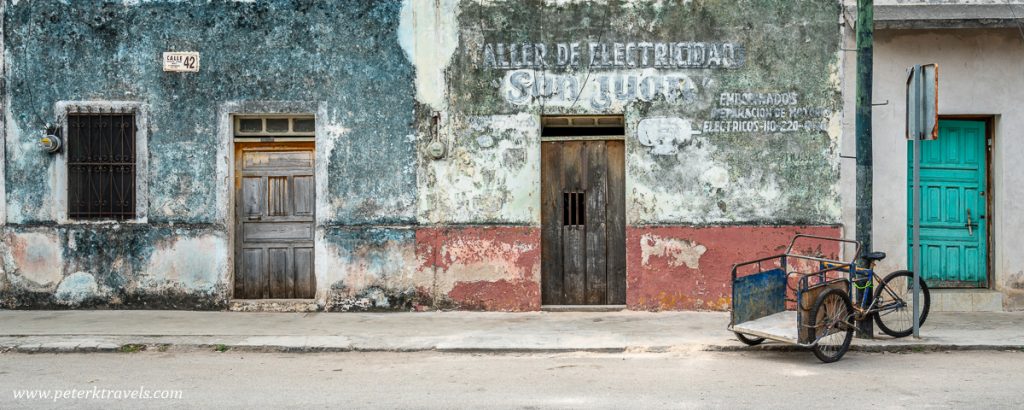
[868,277]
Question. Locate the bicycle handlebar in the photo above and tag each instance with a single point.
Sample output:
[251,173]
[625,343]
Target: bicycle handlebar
[856,252]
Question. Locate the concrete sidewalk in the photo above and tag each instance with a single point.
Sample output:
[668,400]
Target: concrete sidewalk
[127,330]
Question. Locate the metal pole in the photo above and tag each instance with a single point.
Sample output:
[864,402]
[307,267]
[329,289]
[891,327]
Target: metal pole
[917,236]
[865,51]
[917,248]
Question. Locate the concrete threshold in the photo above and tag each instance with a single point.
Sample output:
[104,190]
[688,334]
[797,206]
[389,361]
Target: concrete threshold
[583,308]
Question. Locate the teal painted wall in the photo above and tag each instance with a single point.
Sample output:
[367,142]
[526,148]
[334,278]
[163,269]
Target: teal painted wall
[340,55]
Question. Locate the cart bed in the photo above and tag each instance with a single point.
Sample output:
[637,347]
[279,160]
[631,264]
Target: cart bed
[780,326]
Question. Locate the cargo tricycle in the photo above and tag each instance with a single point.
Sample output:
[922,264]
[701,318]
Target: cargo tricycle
[808,299]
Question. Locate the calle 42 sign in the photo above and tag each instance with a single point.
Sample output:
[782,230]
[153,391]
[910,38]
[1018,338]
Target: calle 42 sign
[181,61]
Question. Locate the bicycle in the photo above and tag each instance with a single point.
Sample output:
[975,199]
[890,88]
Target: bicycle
[827,324]
[890,306]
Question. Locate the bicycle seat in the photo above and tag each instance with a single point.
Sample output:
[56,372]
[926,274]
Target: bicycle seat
[873,257]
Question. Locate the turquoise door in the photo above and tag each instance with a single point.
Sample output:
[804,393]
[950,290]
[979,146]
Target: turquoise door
[954,206]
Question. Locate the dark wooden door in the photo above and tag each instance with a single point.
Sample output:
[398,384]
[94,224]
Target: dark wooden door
[274,221]
[583,222]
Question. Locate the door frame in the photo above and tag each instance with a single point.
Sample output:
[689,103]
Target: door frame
[540,180]
[224,197]
[990,216]
[235,229]
[603,127]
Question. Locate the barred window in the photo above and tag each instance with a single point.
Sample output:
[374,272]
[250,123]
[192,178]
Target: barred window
[101,166]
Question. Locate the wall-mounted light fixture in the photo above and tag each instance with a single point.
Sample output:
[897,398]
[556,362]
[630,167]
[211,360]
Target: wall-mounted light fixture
[436,148]
[50,140]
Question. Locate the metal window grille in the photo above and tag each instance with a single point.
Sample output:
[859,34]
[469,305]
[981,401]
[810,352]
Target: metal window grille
[574,206]
[101,166]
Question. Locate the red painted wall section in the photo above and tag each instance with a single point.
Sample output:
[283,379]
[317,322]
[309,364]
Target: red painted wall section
[483,268]
[688,268]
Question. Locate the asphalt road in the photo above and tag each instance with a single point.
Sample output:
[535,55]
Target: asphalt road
[755,379]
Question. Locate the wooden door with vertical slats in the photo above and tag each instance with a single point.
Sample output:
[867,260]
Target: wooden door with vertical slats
[274,221]
[583,237]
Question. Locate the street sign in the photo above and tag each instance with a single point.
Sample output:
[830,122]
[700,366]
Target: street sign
[181,61]
[923,102]
[922,124]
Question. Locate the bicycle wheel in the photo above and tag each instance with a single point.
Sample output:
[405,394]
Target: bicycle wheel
[895,301]
[830,321]
[749,340]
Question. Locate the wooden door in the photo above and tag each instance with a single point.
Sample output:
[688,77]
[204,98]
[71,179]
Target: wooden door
[274,221]
[954,206]
[583,237]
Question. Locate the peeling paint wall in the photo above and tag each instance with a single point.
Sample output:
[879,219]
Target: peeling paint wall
[732,117]
[345,58]
[428,140]
[125,266]
[688,268]
[488,268]
[371,269]
[491,173]
[732,112]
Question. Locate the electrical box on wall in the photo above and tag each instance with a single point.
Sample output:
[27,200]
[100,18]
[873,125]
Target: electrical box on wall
[51,141]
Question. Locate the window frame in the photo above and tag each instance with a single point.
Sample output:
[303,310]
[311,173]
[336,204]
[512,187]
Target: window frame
[63,109]
[258,136]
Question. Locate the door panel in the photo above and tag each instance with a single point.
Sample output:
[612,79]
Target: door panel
[252,192]
[249,278]
[304,284]
[286,160]
[573,265]
[574,269]
[551,198]
[277,266]
[954,206]
[583,222]
[616,222]
[277,196]
[274,221]
[277,231]
[595,204]
[304,194]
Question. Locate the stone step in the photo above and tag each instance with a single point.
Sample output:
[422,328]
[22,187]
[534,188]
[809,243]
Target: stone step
[966,300]
[582,308]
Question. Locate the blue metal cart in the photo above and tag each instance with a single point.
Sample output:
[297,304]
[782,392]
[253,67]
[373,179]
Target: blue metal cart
[797,299]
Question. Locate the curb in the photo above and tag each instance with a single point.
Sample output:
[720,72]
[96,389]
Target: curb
[64,347]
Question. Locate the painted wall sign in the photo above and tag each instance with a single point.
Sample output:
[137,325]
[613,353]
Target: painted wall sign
[606,74]
[665,134]
[613,55]
[761,112]
[600,91]
[181,61]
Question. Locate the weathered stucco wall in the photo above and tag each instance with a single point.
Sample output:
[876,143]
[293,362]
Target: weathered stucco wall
[688,268]
[344,57]
[182,267]
[279,50]
[733,112]
[731,119]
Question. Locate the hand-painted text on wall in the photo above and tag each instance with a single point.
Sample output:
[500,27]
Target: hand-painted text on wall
[562,73]
[764,113]
[613,55]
